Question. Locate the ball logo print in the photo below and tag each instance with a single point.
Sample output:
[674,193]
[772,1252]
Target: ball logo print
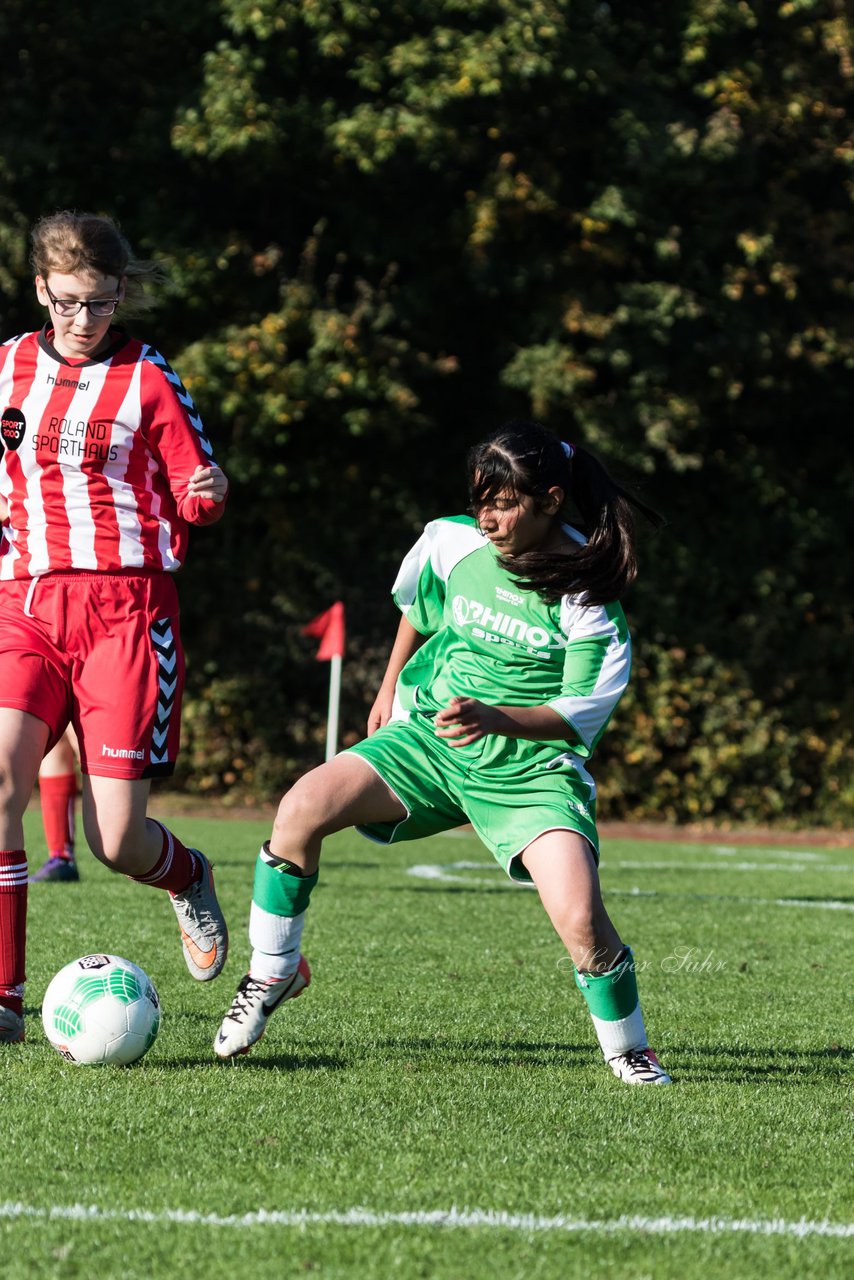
[12,428]
[461,610]
[93,962]
[101,1009]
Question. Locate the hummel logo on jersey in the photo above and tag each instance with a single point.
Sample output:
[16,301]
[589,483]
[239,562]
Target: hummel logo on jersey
[12,428]
[67,382]
[122,753]
[503,627]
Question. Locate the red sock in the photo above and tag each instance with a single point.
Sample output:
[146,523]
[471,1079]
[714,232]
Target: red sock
[175,869]
[57,796]
[13,927]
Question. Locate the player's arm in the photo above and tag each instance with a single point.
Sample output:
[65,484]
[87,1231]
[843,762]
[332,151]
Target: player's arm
[175,433]
[208,483]
[465,720]
[406,642]
[199,489]
[419,593]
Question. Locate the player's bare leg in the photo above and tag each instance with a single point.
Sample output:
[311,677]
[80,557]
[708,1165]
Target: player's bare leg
[126,840]
[345,792]
[117,829]
[563,868]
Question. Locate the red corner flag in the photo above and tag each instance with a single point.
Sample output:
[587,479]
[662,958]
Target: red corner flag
[328,627]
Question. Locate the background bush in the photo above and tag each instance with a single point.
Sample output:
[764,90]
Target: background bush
[390,228]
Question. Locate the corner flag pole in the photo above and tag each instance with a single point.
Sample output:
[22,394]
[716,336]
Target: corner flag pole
[329,628]
[334,703]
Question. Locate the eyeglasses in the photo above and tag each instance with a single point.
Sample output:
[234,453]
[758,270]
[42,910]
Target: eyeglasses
[71,306]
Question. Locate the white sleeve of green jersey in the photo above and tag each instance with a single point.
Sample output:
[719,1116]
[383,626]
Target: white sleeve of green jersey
[419,588]
[596,669]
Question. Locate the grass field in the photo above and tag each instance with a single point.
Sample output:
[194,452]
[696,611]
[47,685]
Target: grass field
[435,1104]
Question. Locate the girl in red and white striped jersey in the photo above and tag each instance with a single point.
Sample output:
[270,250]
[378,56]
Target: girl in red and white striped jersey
[105,465]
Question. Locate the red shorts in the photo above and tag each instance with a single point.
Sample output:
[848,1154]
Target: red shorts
[102,651]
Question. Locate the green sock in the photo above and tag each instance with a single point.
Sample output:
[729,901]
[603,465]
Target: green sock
[280,898]
[612,999]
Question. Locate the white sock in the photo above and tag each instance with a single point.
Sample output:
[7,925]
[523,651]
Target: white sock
[275,943]
[621,1036]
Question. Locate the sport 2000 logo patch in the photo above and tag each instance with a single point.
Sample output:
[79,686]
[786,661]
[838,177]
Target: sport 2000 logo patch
[12,428]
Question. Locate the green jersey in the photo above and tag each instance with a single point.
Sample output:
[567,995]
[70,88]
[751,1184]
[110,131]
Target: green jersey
[489,639]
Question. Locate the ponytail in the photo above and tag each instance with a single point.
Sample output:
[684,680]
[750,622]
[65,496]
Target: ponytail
[607,564]
[527,458]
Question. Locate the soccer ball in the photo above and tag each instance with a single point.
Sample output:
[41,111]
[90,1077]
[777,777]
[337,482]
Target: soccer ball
[101,1009]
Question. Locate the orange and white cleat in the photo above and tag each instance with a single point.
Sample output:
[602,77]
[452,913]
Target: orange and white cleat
[204,934]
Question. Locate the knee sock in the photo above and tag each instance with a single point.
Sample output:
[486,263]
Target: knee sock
[612,999]
[13,927]
[57,796]
[176,868]
[280,898]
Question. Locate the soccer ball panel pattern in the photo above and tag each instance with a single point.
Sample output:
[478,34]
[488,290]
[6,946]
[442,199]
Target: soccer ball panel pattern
[101,1009]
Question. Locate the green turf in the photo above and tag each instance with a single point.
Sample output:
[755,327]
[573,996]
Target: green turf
[443,1059]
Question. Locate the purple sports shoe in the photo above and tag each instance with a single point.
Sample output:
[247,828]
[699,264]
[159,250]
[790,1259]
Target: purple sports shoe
[59,869]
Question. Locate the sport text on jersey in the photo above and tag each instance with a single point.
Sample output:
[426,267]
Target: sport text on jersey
[74,439]
[13,427]
[502,628]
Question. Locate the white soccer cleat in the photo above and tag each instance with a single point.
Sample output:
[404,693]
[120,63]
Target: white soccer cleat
[254,1001]
[204,934]
[639,1066]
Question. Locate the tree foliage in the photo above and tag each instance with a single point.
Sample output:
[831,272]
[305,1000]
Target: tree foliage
[389,227]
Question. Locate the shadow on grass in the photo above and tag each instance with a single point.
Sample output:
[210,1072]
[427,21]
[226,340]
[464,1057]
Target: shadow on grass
[333,864]
[478,890]
[494,1051]
[255,1062]
[408,1053]
[707,1064]
[717,1064]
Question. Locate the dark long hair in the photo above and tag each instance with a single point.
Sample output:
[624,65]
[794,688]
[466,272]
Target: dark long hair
[527,458]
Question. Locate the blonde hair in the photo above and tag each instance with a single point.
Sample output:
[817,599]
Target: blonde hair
[87,243]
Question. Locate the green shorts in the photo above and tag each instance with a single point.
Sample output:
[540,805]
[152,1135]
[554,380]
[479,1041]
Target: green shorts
[510,790]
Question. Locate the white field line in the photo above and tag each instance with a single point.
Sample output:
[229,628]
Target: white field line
[664,865]
[799,855]
[466,1219]
[444,873]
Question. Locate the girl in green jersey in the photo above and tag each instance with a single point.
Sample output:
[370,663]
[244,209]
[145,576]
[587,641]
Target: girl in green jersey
[511,655]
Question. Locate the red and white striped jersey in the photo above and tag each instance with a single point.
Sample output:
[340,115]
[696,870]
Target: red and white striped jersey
[96,459]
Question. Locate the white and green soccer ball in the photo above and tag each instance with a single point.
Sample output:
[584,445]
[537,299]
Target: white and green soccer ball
[101,1009]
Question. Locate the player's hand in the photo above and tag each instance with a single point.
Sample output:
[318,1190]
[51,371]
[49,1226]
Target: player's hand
[465,720]
[208,482]
[380,712]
